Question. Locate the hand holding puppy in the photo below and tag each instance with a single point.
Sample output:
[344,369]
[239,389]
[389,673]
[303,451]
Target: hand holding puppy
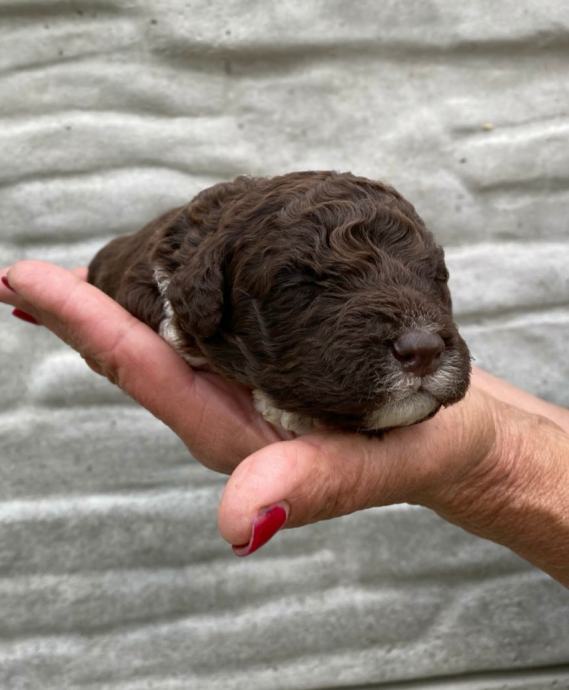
[495,463]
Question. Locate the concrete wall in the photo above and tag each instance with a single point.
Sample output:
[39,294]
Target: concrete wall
[112,574]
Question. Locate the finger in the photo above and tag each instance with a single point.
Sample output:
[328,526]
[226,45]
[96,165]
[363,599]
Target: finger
[323,476]
[316,477]
[9,296]
[129,353]
[22,310]
[80,272]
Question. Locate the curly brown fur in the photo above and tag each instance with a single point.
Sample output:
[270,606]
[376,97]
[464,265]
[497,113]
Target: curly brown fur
[297,286]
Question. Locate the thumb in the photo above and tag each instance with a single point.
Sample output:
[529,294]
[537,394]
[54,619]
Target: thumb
[321,476]
[310,479]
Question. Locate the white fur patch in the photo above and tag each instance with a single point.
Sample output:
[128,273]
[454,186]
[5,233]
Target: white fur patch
[167,329]
[289,421]
[402,412]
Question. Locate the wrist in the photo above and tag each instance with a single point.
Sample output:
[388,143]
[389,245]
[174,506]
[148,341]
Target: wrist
[517,491]
[479,489]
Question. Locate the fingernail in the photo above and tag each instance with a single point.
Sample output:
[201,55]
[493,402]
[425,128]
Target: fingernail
[19,314]
[7,284]
[267,523]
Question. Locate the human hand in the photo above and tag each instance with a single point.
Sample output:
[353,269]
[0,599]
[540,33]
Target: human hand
[215,419]
[454,463]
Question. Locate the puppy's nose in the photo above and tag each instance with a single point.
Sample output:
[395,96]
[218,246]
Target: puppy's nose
[419,351]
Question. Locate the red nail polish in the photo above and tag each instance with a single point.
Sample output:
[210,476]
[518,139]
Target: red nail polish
[267,523]
[19,314]
[6,283]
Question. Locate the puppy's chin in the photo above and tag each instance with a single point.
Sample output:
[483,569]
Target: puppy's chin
[417,407]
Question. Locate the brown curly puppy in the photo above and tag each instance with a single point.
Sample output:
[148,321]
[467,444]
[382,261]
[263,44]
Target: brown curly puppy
[321,291]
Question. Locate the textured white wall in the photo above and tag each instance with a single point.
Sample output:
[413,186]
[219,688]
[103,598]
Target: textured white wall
[111,571]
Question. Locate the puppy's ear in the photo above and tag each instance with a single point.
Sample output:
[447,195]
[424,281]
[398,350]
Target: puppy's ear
[196,289]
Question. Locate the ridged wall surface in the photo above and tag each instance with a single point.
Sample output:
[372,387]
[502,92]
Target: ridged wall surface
[112,575]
